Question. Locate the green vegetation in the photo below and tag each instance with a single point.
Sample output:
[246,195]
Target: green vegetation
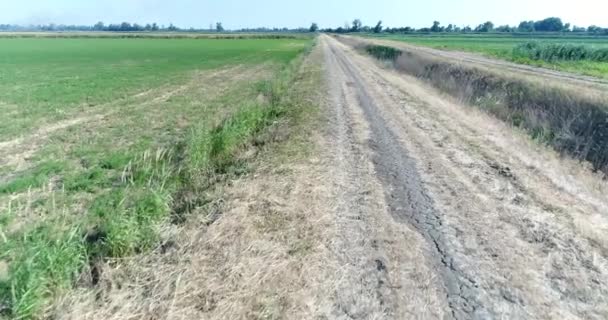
[551,52]
[503,46]
[177,116]
[383,52]
[46,79]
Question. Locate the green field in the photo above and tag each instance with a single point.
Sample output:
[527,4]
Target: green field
[501,46]
[43,79]
[106,140]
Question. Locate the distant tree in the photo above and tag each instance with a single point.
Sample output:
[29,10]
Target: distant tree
[467,29]
[526,26]
[314,27]
[449,28]
[357,24]
[485,27]
[99,26]
[504,28]
[154,26]
[457,29]
[172,27]
[436,27]
[594,29]
[566,27]
[219,27]
[378,27]
[552,24]
[125,26]
[578,29]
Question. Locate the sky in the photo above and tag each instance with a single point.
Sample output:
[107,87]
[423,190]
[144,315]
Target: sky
[236,14]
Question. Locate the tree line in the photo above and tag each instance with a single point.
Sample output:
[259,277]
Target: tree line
[551,24]
[135,27]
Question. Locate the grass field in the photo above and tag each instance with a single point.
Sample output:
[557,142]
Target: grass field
[501,46]
[106,140]
[47,78]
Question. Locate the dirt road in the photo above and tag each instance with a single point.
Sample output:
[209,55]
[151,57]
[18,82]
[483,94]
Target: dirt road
[444,212]
[506,66]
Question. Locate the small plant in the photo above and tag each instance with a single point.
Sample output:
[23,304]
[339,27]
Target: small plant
[383,52]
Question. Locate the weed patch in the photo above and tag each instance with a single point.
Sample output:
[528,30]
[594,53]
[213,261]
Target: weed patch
[33,178]
[383,52]
[551,52]
[133,197]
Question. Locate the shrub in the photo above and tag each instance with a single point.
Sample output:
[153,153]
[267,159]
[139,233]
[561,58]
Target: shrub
[383,52]
[560,51]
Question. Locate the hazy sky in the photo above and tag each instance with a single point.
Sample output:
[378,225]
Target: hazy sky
[328,13]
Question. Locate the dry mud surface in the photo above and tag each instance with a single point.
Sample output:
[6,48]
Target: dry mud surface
[443,212]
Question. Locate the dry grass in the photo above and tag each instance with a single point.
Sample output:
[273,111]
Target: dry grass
[46,203]
[244,256]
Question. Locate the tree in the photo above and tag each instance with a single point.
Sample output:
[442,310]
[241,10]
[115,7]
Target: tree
[154,26]
[505,28]
[219,27]
[552,24]
[314,27]
[566,27]
[436,26]
[594,29]
[357,24]
[578,29]
[526,26]
[125,26]
[449,28]
[99,26]
[172,27]
[487,26]
[378,27]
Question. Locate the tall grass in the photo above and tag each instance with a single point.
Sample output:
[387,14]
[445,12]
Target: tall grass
[126,219]
[551,52]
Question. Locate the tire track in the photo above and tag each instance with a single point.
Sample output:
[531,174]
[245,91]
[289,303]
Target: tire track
[408,200]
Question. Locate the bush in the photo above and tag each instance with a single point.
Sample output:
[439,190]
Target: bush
[560,51]
[383,52]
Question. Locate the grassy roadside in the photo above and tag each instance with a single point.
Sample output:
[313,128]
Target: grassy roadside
[572,120]
[243,263]
[502,47]
[138,195]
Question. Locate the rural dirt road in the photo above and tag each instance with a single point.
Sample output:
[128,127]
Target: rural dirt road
[444,212]
[506,66]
